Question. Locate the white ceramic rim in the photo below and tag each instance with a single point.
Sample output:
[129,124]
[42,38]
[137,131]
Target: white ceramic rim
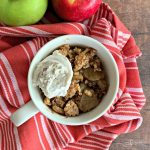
[112,61]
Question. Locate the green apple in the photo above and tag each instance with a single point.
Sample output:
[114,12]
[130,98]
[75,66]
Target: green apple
[22,12]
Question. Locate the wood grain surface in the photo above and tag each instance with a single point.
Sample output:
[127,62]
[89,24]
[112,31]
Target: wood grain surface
[135,14]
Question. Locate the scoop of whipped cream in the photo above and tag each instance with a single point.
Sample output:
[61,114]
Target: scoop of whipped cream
[53,75]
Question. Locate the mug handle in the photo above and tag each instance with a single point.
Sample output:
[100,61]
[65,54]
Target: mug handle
[24,113]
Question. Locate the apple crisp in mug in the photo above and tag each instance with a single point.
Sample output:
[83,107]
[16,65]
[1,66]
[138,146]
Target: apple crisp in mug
[87,87]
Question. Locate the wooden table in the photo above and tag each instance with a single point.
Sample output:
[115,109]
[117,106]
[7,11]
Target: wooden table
[135,14]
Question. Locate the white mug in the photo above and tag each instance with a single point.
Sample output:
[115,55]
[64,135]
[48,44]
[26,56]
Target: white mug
[36,104]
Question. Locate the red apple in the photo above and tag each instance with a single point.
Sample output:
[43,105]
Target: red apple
[75,10]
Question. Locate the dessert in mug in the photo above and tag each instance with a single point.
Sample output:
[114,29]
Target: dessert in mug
[72,80]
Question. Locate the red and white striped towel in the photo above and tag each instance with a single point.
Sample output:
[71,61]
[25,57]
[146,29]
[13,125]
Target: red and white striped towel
[18,45]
